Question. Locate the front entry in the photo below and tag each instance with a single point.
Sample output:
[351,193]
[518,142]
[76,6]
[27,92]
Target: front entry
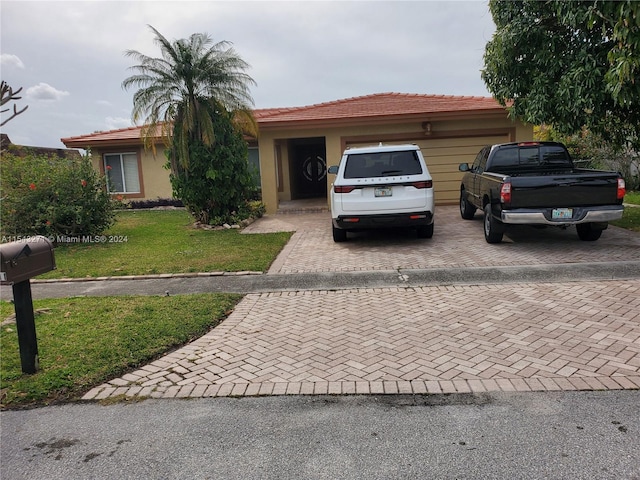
[308,168]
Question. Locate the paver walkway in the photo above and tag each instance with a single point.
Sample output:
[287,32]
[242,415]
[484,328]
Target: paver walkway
[582,335]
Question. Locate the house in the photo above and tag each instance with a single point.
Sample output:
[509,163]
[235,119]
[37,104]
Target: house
[295,145]
[22,150]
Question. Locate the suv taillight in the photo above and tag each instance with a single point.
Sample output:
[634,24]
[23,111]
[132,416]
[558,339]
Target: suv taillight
[343,188]
[622,188]
[424,184]
[505,193]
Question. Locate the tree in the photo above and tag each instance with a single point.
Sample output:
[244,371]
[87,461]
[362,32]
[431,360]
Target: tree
[7,95]
[181,93]
[569,64]
[218,183]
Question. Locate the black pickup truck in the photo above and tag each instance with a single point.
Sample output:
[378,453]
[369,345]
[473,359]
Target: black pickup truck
[536,183]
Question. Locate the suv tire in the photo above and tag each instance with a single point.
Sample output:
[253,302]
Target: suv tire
[425,231]
[339,235]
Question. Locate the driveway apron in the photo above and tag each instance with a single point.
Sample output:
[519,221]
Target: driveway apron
[476,337]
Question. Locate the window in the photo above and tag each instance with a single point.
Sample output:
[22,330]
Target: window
[122,172]
[382,164]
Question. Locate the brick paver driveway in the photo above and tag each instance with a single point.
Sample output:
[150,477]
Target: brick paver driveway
[464,338]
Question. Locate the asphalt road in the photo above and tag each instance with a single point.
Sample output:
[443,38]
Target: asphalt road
[562,435]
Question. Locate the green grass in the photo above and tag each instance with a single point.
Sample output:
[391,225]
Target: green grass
[632,198]
[83,342]
[631,216]
[163,241]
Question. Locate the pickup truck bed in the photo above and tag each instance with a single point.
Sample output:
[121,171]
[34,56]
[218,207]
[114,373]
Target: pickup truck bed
[536,183]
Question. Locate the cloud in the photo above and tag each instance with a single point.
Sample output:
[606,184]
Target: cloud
[8,60]
[115,123]
[45,92]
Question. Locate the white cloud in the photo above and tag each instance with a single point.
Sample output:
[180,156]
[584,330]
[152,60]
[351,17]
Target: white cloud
[44,91]
[8,60]
[114,123]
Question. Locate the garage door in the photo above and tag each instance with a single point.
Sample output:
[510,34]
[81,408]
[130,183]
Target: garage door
[443,155]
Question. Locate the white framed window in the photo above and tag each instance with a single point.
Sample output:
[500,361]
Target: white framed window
[122,172]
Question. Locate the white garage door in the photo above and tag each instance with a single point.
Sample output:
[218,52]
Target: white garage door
[443,156]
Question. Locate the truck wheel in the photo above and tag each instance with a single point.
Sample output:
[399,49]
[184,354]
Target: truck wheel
[467,211]
[493,229]
[339,235]
[587,232]
[425,231]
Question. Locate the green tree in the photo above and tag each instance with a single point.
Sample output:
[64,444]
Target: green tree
[216,187]
[180,94]
[570,64]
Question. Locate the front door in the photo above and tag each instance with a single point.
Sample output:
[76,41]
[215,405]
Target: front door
[308,169]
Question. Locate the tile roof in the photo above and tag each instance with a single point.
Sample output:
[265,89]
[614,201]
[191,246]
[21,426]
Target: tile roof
[376,106]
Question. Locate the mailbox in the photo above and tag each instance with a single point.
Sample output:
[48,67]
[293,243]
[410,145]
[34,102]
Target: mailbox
[24,259]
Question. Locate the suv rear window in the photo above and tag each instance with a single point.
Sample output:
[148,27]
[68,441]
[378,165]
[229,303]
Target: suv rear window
[382,164]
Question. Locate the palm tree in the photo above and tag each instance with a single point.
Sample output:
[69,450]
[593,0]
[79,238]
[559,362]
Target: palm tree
[179,93]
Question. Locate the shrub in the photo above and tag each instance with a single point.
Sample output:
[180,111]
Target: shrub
[54,196]
[217,185]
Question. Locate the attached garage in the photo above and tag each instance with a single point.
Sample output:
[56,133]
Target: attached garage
[444,154]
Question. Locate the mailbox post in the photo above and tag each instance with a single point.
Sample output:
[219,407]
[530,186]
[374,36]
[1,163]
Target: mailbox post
[19,261]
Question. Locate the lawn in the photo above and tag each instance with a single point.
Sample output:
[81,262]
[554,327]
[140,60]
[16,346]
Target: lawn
[164,241]
[83,342]
[631,216]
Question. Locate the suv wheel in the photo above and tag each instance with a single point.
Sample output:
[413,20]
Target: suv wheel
[425,231]
[493,229]
[339,235]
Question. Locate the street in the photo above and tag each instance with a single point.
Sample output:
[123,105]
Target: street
[555,435]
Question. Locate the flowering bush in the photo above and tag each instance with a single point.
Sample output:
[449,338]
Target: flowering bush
[53,196]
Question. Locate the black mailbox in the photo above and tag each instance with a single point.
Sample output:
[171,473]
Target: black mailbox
[24,259]
[19,261]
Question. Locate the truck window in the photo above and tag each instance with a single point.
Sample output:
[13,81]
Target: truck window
[537,157]
[555,156]
[505,157]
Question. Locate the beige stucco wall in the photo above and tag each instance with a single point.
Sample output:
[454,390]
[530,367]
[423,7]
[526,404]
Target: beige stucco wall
[451,134]
[451,141]
[154,178]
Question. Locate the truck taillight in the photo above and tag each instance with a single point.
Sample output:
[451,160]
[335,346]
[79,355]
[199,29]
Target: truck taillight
[622,188]
[505,193]
[343,188]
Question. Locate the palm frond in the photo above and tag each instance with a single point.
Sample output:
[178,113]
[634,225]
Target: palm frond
[178,93]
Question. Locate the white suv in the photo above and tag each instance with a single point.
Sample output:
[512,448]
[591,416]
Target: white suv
[381,187]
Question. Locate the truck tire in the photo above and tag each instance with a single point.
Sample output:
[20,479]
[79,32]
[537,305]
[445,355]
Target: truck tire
[493,229]
[339,235]
[425,231]
[587,232]
[467,210]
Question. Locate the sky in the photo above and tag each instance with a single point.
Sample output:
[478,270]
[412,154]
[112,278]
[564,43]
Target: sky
[68,56]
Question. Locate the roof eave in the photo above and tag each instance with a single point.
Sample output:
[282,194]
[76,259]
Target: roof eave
[381,119]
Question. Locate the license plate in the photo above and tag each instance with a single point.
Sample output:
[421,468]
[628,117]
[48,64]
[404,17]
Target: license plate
[382,192]
[561,213]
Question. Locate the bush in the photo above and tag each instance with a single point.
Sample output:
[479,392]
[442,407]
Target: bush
[53,196]
[217,185]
